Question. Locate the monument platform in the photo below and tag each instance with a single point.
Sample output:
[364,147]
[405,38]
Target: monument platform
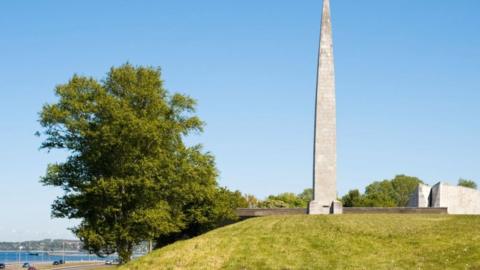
[262,212]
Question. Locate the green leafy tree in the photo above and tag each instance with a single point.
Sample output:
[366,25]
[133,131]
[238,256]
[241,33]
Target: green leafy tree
[380,194]
[206,213]
[403,187]
[252,201]
[129,177]
[306,196]
[467,183]
[223,209]
[386,193]
[284,200]
[274,203]
[353,199]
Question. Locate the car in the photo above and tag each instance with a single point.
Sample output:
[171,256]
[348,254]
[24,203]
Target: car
[2,266]
[26,265]
[56,263]
[112,262]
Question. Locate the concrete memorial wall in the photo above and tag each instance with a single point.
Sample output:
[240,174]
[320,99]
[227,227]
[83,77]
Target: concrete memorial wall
[420,198]
[458,200]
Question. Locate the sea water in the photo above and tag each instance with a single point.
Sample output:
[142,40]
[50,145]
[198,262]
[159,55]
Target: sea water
[25,256]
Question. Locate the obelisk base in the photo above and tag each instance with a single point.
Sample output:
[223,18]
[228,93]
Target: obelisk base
[317,208]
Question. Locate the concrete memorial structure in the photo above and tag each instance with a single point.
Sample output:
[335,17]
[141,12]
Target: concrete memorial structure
[325,155]
[458,200]
[439,199]
[421,196]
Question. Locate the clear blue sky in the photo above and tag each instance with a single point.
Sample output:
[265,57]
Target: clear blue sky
[408,87]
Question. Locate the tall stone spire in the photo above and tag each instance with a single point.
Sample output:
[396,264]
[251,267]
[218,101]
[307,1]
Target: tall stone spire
[325,153]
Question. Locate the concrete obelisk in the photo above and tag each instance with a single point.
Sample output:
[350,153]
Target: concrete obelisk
[325,152]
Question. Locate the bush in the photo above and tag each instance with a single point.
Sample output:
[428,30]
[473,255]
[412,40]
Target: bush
[467,183]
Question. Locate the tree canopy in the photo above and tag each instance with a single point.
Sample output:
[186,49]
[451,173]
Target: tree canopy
[387,193]
[282,200]
[467,183]
[129,176]
[395,192]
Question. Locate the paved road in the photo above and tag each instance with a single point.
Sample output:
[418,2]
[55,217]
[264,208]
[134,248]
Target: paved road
[81,267]
[64,267]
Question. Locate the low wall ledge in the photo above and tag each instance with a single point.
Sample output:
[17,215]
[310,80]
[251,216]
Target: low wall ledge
[261,212]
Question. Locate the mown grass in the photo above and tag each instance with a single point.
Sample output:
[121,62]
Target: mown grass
[328,242]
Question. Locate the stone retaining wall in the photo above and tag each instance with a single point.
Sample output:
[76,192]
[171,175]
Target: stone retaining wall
[394,210]
[260,212]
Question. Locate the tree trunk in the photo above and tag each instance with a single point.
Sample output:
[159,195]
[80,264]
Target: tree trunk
[124,252]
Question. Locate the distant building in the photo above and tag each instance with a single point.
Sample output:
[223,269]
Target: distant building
[457,199]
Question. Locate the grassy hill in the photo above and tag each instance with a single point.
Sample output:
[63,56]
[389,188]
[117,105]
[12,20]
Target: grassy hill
[328,242]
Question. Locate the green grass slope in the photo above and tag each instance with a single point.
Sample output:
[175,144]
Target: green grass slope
[328,242]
